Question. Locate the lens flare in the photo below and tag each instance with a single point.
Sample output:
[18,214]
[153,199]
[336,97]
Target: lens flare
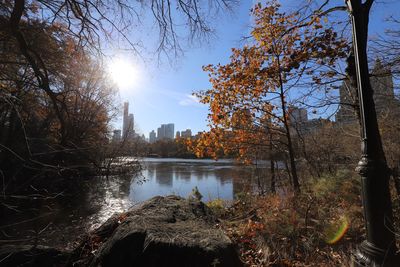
[337,230]
[124,73]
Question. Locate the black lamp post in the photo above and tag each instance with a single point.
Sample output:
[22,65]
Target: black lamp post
[379,248]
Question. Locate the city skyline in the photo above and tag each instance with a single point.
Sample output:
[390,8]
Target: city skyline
[163,91]
[384,92]
[165,131]
[128,126]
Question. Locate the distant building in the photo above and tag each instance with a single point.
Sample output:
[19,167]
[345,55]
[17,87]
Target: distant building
[301,125]
[314,125]
[348,95]
[152,137]
[169,131]
[178,135]
[382,85]
[298,115]
[160,134]
[186,134]
[166,131]
[128,123]
[131,130]
[298,119]
[116,136]
[125,118]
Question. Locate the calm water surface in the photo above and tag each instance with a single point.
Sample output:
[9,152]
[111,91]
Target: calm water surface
[214,179]
[95,200]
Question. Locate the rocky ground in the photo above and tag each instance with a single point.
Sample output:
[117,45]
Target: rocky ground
[163,231]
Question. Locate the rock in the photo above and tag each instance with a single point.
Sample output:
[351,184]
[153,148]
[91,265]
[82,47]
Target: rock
[20,255]
[165,231]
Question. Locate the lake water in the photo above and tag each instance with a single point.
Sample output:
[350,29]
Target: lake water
[95,200]
[221,179]
[214,179]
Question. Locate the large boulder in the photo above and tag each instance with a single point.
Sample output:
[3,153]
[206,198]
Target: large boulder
[164,231]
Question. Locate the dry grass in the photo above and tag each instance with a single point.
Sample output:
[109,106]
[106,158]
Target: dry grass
[298,229]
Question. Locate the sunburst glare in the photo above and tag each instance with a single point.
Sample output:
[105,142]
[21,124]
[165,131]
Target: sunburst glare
[124,73]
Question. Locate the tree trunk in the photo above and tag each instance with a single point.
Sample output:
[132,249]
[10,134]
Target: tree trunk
[36,63]
[288,171]
[273,179]
[293,169]
[272,163]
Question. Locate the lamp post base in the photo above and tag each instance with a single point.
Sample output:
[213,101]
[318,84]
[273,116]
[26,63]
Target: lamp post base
[368,255]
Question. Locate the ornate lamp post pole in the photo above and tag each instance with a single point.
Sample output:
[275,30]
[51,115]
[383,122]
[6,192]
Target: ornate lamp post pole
[379,248]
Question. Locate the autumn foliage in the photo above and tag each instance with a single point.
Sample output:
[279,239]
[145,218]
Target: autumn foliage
[56,102]
[249,101]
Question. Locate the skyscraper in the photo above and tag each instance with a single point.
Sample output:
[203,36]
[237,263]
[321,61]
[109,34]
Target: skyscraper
[165,131]
[152,137]
[131,123]
[160,133]
[125,119]
[169,131]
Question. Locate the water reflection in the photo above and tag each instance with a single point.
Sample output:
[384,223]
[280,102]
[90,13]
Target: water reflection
[220,179]
[94,200]
[113,200]
[77,209]
[163,175]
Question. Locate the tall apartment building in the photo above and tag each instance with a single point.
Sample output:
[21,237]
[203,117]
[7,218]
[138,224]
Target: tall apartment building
[298,115]
[152,137]
[298,120]
[165,131]
[169,131]
[160,134]
[382,85]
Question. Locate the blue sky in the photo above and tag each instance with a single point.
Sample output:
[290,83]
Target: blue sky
[162,92]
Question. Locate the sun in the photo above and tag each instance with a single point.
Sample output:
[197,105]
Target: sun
[123,73]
